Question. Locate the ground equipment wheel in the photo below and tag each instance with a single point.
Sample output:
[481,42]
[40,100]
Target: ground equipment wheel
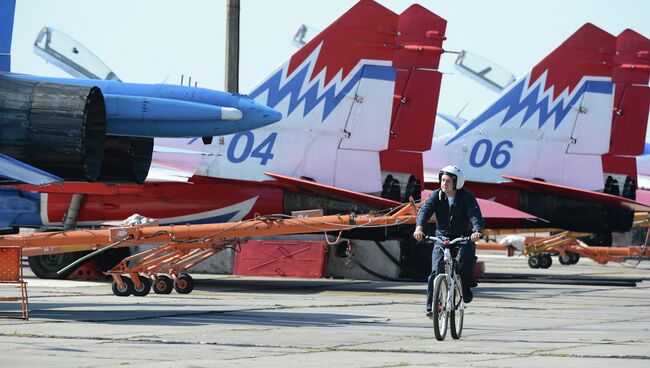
[575,257]
[545,261]
[126,290]
[440,312]
[565,259]
[163,285]
[534,261]
[184,284]
[457,314]
[47,265]
[145,289]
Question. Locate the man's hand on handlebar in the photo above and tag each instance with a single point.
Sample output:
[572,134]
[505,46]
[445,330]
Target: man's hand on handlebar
[475,236]
[418,234]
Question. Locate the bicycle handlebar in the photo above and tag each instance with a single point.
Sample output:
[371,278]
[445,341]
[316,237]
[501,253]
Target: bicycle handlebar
[445,241]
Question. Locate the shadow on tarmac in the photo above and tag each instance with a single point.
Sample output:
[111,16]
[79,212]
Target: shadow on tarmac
[311,286]
[136,314]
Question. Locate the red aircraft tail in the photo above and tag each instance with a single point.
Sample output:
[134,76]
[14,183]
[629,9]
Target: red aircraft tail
[420,34]
[629,122]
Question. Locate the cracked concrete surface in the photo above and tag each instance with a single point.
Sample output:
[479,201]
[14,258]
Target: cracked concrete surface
[235,321]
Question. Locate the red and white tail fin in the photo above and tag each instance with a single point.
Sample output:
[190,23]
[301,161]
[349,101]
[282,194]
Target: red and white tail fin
[630,119]
[554,123]
[417,88]
[336,96]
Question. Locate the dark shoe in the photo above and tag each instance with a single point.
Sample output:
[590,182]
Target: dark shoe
[468,296]
[429,313]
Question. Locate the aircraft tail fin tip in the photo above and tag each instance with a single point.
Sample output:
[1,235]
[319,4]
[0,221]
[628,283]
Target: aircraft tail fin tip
[7,12]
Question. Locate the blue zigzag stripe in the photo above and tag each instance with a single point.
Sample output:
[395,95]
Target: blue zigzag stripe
[311,98]
[511,102]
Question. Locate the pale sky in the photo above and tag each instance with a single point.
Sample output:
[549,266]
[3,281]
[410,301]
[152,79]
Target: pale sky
[151,41]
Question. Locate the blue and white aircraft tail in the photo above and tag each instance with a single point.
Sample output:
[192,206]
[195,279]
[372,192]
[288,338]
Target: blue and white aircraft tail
[336,95]
[542,126]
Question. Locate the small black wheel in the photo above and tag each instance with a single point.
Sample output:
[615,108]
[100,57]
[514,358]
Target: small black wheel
[126,290]
[163,285]
[47,266]
[575,257]
[534,261]
[565,259]
[145,289]
[545,261]
[184,284]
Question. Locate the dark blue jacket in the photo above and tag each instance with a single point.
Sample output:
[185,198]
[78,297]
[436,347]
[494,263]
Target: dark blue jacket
[462,219]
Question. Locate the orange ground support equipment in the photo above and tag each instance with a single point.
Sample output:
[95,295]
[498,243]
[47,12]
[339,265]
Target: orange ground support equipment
[11,273]
[569,249]
[179,248]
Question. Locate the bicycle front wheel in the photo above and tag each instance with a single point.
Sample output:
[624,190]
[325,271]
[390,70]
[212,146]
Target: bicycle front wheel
[457,313]
[440,312]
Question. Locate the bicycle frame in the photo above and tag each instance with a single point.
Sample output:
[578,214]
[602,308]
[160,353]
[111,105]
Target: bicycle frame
[452,279]
[445,306]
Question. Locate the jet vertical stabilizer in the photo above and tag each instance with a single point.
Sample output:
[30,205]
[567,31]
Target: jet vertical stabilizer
[420,35]
[335,95]
[630,118]
[542,147]
[542,125]
[7,10]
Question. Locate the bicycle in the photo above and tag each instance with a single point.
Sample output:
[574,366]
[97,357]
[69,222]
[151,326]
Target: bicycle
[448,291]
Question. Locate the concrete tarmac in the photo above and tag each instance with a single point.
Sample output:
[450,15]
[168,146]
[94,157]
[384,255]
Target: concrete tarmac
[238,321]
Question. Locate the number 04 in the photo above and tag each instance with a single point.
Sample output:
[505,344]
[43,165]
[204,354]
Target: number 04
[263,151]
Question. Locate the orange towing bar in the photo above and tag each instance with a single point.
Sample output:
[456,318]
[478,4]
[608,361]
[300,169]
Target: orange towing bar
[184,235]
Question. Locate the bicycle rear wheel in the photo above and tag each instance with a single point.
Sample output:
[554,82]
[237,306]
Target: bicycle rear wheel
[440,312]
[457,313]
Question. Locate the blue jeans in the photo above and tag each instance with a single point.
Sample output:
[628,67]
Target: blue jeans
[467,260]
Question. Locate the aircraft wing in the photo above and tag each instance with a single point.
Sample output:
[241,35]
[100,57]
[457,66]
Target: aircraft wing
[489,209]
[588,195]
[495,210]
[643,196]
[357,197]
[16,170]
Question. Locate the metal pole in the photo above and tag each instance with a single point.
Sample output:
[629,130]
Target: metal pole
[70,219]
[232,47]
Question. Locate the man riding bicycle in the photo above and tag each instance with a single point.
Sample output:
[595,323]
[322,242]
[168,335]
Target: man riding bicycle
[457,214]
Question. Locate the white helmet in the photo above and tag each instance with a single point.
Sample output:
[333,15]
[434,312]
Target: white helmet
[455,173]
